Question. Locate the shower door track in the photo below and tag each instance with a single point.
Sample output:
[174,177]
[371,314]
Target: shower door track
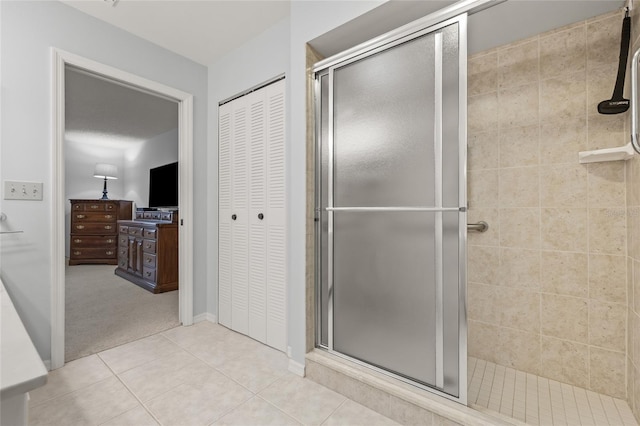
[391,374]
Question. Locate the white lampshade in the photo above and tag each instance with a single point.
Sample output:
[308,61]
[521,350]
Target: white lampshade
[105,171]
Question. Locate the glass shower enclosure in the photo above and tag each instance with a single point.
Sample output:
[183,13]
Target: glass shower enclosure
[391,207]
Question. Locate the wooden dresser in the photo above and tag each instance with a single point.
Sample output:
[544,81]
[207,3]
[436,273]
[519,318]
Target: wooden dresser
[94,230]
[148,250]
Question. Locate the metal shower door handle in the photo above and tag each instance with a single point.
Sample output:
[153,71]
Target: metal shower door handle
[481,226]
[396,209]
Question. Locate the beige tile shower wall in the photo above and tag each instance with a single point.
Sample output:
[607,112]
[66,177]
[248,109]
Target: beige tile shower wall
[547,289]
[633,259]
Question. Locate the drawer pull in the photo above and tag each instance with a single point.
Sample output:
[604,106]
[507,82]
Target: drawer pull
[149,260]
[95,206]
[77,240]
[108,227]
[77,253]
[80,216]
[123,251]
[109,207]
[148,273]
[147,246]
[108,216]
[109,253]
[79,226]
[109,241]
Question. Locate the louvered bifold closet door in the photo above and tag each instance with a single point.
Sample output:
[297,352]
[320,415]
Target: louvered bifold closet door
[275,216]
[257,228]
[225,160]
[252,229]
[240,231]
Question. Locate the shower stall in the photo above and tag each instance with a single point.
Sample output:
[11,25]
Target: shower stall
[539,308]
[391,206]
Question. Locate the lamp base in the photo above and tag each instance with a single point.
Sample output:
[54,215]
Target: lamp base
[104,190]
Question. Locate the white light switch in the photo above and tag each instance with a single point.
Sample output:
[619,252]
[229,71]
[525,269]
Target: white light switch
[14,190]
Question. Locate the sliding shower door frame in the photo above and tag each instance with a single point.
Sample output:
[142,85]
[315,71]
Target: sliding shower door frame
[325,69]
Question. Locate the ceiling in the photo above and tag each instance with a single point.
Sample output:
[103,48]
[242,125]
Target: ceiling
[102,112]
[202,30]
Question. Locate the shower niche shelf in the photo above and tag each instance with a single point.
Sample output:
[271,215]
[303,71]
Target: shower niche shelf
[607,154]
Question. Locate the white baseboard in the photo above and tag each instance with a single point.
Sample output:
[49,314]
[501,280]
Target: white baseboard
[205,317]
[296,368]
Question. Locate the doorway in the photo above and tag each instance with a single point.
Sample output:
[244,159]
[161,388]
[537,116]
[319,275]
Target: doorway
[60,60]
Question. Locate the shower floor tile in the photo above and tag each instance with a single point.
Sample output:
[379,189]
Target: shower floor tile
[539,401]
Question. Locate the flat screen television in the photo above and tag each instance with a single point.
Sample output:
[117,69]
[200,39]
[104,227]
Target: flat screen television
[163,186]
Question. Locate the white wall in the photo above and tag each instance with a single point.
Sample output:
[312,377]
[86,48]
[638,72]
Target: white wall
[27,32]
[158,151]
[261,59]
[309,19]
[280,49]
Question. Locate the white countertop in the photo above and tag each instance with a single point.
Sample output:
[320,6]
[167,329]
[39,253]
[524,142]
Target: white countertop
[21,369]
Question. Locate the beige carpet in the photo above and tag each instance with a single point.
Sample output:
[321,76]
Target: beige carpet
[104,311]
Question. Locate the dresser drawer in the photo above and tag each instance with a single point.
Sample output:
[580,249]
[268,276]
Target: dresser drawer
[123,262]
[93,228]
[123,240]
[149,246]
[81,241]
[149,274]
[149,233]
[94,217]
[149,260]
[95,207]
[153,215]
[135,230]
[93,253]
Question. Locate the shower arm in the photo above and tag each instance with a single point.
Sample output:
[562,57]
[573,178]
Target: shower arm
[634,101]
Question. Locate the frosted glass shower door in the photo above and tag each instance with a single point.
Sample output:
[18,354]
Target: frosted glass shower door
[391,209]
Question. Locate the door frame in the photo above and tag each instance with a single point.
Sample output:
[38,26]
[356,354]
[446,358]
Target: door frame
[59,59]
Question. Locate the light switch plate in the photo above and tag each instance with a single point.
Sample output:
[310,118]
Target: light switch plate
[14,190]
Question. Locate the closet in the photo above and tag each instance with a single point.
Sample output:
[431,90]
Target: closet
[252,200]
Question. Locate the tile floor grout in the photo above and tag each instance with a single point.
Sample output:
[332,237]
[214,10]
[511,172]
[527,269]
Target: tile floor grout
[195,359]
[207,375]
[140,401]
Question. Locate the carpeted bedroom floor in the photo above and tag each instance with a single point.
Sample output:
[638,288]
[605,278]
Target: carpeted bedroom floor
[104,311]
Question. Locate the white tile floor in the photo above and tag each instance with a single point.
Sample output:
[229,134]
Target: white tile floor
[539,401]
[198,375]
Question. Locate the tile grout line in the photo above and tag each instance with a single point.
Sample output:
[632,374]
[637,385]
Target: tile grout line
[254,394]
[335,410]
[31,405]
[279,409]
[132,393]
[169,390]
[219,371]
